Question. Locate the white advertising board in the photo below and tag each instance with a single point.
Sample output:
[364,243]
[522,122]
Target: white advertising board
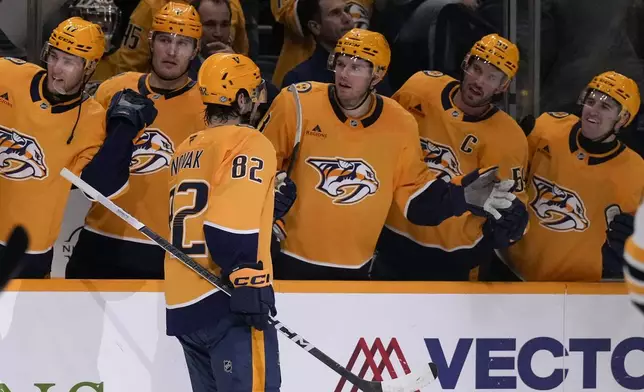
[115,342]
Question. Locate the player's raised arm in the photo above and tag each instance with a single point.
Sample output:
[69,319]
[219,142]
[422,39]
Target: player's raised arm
[427,200]
[129,112]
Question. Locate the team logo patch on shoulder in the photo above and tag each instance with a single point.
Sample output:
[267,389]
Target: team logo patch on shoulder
[441,159]
[434,74]
[21,157]
[559,114]
[345,180]
[153,151]
[557,208]
[303,87]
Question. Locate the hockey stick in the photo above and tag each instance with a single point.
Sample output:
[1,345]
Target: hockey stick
[298,130]
[409,382]
[14,251]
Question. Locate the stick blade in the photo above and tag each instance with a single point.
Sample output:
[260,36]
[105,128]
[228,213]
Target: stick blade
[412,381]
[10,261]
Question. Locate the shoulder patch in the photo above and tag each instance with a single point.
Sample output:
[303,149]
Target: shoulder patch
[16,61]
[559,114]
[434,74]
[303,87]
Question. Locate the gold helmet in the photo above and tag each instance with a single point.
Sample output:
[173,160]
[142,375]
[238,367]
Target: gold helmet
[177,18]
[619,87]
[366,45]
[78,37]
[223,75]
[497,51]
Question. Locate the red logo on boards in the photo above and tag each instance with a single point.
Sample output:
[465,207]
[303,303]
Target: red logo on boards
[370,355]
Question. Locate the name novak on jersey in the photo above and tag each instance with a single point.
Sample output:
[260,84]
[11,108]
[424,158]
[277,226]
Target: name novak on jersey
[21,157]
[187,160]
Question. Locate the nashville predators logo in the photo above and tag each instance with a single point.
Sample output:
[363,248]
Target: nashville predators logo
[346,181]
[152,152]
[441,159]
[558,209]
[21,158]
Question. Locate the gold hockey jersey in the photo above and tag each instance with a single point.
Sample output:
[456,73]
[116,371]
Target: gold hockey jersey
[455,144]
[180,114]
[134,53]
[574,189]
[297,47]
[34,149]
[221,179]
[348,172]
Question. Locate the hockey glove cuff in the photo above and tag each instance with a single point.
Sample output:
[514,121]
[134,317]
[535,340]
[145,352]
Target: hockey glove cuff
[129,106]
[619,229]
[252,298]
[279,231]
[509,228]
[285,195]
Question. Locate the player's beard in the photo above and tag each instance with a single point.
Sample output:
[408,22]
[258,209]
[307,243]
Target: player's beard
[474,100]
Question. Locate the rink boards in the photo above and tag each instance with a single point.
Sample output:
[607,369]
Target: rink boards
[83,336]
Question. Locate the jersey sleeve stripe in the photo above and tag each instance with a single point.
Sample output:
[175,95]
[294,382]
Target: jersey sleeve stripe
[415,195]
[229,230]
[229,249]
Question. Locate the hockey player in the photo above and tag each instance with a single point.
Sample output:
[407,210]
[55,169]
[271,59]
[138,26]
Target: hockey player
[221,213]
[460,130]
[299,44]
[584,186]
[46,124]
[359,153]
[134,53]
[634,256]
[107,247]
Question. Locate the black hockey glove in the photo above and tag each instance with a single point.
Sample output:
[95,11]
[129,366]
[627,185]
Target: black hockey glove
[129,106]
[619,229]
[285,195]
[483,194]
[252,298]
[510,228]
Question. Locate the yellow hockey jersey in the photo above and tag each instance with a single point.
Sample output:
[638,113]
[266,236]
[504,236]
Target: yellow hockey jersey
[348,173]
[34,149]
[180,114]
[221,182]
[574,189]
[134,53]
[297,47]
[634,268]
[455,144]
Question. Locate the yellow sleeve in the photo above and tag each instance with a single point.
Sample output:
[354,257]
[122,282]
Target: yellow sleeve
[285,12]
[278,125]
[97,130]
[239,36]
[412,173]
[236,202]
[296,48]
[406,96]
